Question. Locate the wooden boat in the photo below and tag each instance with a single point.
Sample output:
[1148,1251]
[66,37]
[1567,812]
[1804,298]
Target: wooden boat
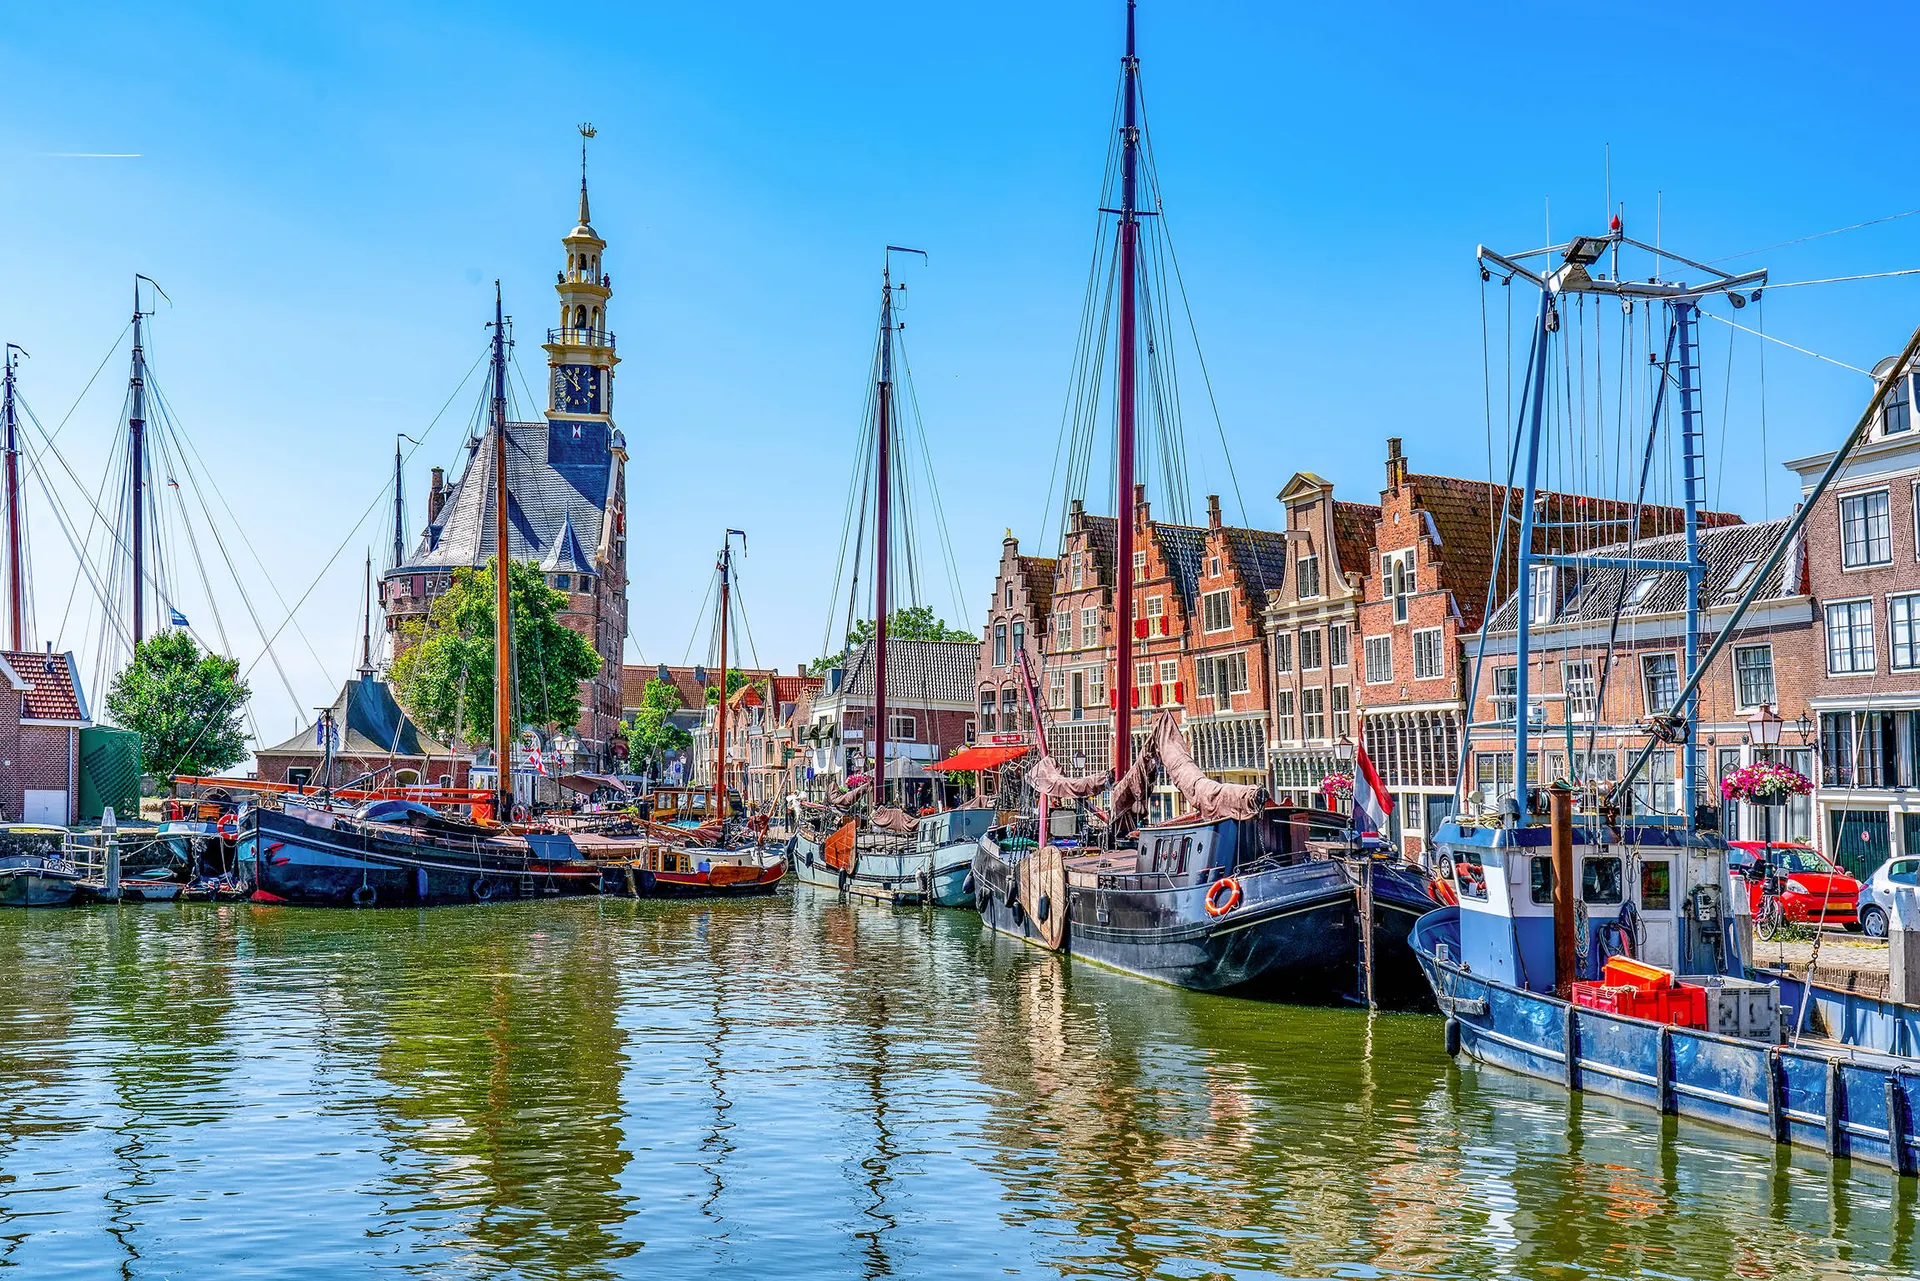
[930,865]
[34,868]
[682,806]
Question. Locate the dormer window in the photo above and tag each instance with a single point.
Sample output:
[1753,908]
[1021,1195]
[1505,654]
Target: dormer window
[1738,582]
[1641,590]
[1540,600]
[1896,415]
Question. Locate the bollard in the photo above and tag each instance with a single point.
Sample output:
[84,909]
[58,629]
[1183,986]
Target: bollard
[1903,945]
[110,885]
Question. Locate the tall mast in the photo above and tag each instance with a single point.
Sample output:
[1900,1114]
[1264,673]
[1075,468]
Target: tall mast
[502,630]
[366,624]
[882,532]
[137,468]
[1124,430]
[399,517]
[16,560]
[720,709]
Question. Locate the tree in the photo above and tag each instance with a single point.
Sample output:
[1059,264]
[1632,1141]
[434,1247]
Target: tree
[444,675]
[651,733]
[187,706]
[736,680]
[913,622]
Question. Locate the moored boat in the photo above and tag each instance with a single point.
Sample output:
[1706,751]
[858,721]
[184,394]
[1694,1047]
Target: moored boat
[34,868]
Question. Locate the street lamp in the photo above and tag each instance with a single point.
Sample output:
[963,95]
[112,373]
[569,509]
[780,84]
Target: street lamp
[1764,725]
[1804,728]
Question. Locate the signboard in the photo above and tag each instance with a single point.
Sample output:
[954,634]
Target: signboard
[1007,740]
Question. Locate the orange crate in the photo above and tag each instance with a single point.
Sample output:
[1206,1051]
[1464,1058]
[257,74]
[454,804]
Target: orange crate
[1625,971]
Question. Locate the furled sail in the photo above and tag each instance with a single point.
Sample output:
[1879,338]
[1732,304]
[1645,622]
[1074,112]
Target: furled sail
[1210,798]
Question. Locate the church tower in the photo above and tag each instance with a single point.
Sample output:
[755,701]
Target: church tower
[580,357]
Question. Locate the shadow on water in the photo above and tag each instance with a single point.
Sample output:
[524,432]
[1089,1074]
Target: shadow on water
[803,1086]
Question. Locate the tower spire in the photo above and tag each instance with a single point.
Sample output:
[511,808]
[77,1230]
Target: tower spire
[586,131]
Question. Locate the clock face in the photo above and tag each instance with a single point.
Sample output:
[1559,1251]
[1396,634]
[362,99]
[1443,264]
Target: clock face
[576,389]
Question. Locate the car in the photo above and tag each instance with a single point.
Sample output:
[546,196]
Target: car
[1876,896]
[1811,888]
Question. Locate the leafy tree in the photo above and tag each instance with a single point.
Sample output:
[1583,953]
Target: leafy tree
[651,734]
[444,675]
[186,705]
[736,680]
[912,622]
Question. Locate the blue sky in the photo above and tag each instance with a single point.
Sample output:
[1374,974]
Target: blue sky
[327,192]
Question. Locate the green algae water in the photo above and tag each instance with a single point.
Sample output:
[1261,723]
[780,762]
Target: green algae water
[802,1087]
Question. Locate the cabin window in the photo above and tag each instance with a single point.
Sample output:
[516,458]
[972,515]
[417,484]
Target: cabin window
[299,777]
[1540,888]
[1470,872]
[1600,880]
[1656,885]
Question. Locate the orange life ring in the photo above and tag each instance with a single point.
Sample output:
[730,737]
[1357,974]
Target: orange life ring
[228,827]
[1215,907]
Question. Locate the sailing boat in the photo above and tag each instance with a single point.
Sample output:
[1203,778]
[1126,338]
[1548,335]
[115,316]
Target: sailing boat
[1230,897]
[396,851]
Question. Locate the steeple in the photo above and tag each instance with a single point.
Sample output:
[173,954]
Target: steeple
[579,349]
[586,131]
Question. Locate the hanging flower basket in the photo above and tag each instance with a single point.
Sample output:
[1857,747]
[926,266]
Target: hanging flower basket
[1336,787]
[1764,783]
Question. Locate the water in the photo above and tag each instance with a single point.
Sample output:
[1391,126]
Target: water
[799,1087]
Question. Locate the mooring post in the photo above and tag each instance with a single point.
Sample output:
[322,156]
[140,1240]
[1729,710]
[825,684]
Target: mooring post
[110,886]
[1565,943]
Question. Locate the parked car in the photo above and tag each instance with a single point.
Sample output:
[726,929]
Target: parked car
[1811,888]
[1876,896]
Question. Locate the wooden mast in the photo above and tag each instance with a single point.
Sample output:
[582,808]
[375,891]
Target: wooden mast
[1124,686]
[720,709]
[502,623]
[882,534]
[16,567]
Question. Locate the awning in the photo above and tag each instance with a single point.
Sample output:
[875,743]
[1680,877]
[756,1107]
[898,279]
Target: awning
[588,784]
[982,757]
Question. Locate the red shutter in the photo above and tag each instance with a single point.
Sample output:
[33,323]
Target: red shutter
[1178,692]
[1139,629]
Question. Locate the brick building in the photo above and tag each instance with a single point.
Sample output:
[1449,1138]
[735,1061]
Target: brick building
[374,740]
[40,726]
[1079,644]
[1017,621]
[930,702]
[1863,556]
[692,716]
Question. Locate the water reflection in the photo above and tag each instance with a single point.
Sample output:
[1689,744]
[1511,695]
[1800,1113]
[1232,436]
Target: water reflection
[806,1087]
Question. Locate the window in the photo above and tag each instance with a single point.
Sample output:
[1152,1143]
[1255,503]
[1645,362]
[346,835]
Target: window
[1283,711]
[1740,579]
[1396,571]
[1429,659]
[1283,652]
[1641,590]
[1169,671]
[1601,879]
[1097,686]
[1074,562]
[1654,791]
[1142,675]
[905,728]
[1506,689]
[1089,628]
[1866,530]
[1157,616]
[1057,689]
[1010,600]
[1014,712]
[1342,712]
[1019,640]
[1660,674]
[299,776]
[1213,567]
[1540,600]
[988,722]
[1849,637]
[1337,645]
[1903,618]
[1216,611]
[1063,630]
[1310,649]
[1379,659]
[1753,674]
[1583,696]
[562,582]
[1540,879]
[1894,417]
[1313,718]
[971,734]
[1139,567]
[1000,645]
[1307,578]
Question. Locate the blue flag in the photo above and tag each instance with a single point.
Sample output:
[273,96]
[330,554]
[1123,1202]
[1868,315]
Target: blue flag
[178,619]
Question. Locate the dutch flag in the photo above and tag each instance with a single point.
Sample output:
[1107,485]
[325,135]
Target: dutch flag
[1372,803]
[539,762]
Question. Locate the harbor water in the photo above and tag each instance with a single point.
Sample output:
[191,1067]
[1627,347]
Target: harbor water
[803,1087]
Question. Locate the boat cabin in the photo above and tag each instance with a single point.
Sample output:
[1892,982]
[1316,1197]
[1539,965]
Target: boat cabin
[682,805]
[952,827]
[1189,852]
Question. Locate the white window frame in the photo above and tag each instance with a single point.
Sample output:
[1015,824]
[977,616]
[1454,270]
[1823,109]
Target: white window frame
[1089,628]
[1341,654]
[1591,700]
[1384,644]
[1436,637]
[1854,631]
[1222,600]
[1398,580]
[1541,605]
[1646,687]
[1283,713]
[1340,706]
[1840,507]
[904,729]
[1909,603]
[1317,646]
[1740,699]
[1283,651]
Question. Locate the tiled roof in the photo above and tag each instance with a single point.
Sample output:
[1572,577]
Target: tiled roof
[1260,557]
[634,678]
[1353,525]
[917,671]
[1184,548]
[1591,595]
[1039,572]
[554,476]
[793,689]
[1466,514]
[53,690]
[372,724]
[1103,539]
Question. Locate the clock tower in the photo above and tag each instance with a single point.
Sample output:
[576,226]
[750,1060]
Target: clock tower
[580,357]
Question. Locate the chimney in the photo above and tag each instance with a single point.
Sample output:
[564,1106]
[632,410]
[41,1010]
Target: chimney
[1141,512]
[436,495]
[1396,464]
[1213,511]
[799,669]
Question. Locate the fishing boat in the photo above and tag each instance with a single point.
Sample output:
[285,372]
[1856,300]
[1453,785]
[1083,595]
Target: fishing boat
[1597,942]
[34,868]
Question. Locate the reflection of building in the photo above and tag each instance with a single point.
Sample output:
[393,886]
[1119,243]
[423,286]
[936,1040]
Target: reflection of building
[372,737]
[1864,564]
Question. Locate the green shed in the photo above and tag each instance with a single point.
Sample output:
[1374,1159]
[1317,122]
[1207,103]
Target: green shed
[109,772]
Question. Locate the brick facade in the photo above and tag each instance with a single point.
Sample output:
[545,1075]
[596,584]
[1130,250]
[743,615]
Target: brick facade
[40,721]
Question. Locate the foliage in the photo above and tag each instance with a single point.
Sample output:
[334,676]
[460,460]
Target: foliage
[650,732]
[736,680]
[186,705]
[913,622]
[1764,782]
[444,675]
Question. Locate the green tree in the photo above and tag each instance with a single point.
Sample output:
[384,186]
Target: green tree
[912,622]
[736,680]
[186,705]
[651,733]
[444,675]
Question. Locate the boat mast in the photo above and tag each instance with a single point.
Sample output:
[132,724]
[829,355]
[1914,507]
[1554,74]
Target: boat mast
[366,624]
[16,566]
[502,631]
[720,709]
[399,516]
[137,466]
[1124,687]
[882,532]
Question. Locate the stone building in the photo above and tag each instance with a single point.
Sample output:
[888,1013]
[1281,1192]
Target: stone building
[567,501]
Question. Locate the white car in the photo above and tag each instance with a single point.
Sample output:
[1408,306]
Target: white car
[1876,893]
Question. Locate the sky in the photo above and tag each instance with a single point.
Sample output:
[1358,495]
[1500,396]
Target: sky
[326,193]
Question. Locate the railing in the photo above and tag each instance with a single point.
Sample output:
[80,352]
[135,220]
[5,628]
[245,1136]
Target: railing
[580,337]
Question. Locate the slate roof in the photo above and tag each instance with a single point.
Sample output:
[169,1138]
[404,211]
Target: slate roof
[1589,596]
[1184,548]
[567,556]
[1103,540]
[1039,572]
[48,685]
[1260,558]
[1353,526]
[555,477]
[372,724]
[917,672]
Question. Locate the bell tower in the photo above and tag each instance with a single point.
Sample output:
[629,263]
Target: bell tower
[580,357]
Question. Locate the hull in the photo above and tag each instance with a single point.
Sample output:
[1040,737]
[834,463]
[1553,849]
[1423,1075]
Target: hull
[1855,1096]
[32,887]
[1295,936]
[721,880]
[285,859]
[897,876]
[952,866]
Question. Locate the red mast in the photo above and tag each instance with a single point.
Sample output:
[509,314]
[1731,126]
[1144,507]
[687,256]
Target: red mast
[16,561]
[1124,687]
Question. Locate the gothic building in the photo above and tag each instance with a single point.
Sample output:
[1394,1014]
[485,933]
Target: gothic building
[567,499]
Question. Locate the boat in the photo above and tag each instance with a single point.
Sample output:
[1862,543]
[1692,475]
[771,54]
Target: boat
[34,868]
[1599,940]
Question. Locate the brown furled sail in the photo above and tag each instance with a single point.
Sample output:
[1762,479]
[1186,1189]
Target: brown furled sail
[1210,799]
[1047,778]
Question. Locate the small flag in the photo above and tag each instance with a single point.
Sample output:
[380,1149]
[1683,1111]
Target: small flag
[539,762]
[1372,803]
[177,618]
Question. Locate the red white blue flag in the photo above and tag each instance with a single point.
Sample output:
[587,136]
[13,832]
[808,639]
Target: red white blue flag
[539,762]
[1372,803]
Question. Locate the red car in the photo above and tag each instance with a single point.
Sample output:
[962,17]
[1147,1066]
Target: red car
[1811,888]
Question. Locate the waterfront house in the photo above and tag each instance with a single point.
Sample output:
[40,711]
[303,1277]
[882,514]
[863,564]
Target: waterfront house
[40,728]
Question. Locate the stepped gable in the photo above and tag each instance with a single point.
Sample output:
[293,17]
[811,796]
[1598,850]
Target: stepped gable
[1184,548]
[49,688]
[1724,551]
[558,475]
[1040,572]
[1103,539]
[935,671]
[372,724]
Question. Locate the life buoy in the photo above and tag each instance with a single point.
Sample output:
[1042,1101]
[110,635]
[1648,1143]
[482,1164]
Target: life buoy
[482,890]
[365,896]
[1217,906]
[519,813]
[228,827]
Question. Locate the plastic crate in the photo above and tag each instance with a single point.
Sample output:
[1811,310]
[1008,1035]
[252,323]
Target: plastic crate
[1625,971]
